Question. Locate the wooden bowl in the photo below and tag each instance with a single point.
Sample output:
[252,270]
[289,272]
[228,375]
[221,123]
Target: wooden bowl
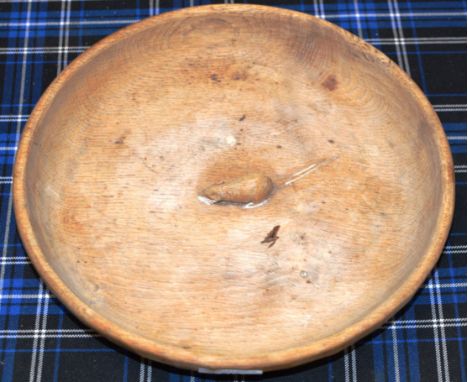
[112,173]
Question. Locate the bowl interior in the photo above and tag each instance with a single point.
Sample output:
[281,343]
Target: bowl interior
[120,154]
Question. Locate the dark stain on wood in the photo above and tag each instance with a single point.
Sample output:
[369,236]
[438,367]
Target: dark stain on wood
[242,118]
[330,83]
[120,140]
[271,237]
[239,76]
[214,78]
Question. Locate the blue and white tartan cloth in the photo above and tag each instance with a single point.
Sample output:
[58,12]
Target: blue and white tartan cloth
[41,341]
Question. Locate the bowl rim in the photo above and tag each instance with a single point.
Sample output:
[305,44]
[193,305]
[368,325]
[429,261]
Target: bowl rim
[184,357]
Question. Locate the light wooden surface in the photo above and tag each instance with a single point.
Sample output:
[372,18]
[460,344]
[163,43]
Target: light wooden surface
[120,148]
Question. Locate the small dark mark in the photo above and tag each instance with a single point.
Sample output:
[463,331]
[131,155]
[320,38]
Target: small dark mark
[330,252]
[214,77]
[241,129]
[324,202]
[279,146]
[152,212]
[302,236]
[150,168]
[330,83]
[346,209]
[238,143]
[187,347]
[161,157]
[120,140]
[156,189]
[239,76]
[242,118]
[271,237]
[331,141]
[309,282]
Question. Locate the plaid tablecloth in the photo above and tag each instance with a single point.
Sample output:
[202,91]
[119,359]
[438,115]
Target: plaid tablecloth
[41,341]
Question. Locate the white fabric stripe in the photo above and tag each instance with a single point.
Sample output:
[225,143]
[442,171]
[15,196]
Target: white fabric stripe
[51,331]
[456,249]
[142,370]
[37,324]
[42,338]
[418,40]
[401,36]
[316,8]
[396,361]
[354,364]
[401,55]
[66,34]
[322,9]
[60,41]
[427,326]
[14,262]
[436,334]
[436,320]
[457,138]
[446,285]
[43,50]
[347,365]
[450,108]
[358,18]
[397,14]
[149,372]
[440,310]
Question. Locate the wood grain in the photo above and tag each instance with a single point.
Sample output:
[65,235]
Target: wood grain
[120,146]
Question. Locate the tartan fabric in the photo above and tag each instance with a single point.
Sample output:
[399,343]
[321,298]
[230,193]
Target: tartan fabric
[41,341]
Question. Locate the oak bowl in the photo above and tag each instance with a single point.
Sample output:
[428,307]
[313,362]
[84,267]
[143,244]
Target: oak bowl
[113,168]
